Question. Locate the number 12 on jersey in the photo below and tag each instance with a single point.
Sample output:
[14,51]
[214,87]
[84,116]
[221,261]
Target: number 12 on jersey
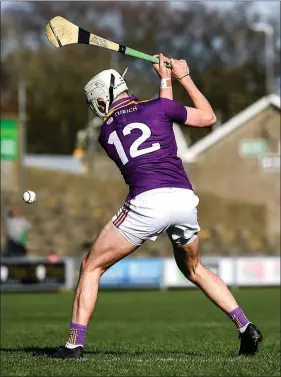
[134,149]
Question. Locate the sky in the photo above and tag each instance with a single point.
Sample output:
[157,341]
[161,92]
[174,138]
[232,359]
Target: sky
[262,6]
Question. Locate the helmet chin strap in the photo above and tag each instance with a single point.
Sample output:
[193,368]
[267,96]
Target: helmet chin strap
[112,82]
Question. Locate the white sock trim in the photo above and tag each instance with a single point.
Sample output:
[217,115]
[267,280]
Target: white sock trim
[72,346]
[243,329]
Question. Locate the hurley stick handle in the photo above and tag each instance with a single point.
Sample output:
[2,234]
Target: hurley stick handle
[141,55]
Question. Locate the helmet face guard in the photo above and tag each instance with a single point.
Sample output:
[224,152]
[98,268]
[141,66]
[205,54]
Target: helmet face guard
[93,104]
[105,86]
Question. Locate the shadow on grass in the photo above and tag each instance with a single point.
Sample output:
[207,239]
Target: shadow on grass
[47,351]
[36,351]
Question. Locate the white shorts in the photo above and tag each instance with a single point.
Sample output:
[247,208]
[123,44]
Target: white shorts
[151,213]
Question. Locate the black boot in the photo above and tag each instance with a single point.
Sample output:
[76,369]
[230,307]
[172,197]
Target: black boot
[249,340]
[67,353]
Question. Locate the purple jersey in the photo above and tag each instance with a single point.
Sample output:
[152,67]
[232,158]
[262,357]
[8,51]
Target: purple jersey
[139,138]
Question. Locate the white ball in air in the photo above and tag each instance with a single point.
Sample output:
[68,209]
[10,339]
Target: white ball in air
[29,197]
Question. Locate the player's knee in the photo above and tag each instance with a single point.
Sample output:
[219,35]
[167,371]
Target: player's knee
[85,263]
[192,269]
[90,266]
[191,262]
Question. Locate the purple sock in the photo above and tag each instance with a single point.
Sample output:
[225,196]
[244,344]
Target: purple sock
[238,317]
[77,334]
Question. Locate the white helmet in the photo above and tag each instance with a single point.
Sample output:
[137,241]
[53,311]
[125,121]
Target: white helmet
[107,85]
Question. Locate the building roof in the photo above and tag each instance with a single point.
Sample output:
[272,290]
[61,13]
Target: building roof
[231,125]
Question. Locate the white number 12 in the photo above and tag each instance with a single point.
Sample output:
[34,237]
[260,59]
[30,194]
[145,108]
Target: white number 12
[134,151]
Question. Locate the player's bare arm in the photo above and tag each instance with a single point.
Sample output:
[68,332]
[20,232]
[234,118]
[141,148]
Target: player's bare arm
[202,115]
[164,73]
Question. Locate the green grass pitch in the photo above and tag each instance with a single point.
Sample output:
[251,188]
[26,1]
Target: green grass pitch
[139,333]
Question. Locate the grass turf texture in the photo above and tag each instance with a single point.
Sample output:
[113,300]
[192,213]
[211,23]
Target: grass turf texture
[139,333]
